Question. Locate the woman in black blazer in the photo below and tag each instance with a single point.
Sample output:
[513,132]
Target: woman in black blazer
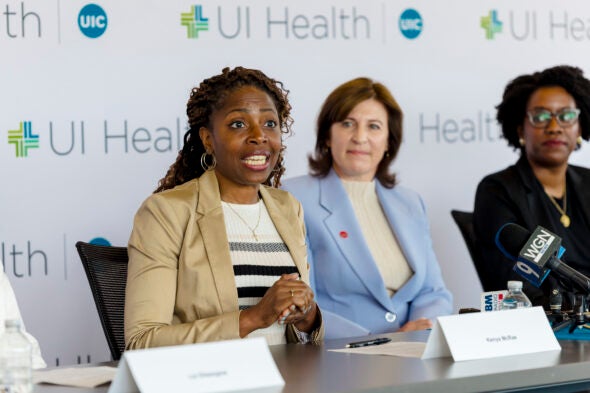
[545,115]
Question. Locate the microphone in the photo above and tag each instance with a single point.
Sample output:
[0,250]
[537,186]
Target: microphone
[537,254]
[555,302]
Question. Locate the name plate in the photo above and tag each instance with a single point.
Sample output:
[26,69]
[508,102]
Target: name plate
[203,368]
[491,334]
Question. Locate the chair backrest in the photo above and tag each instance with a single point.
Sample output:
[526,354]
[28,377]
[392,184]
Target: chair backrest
[464,221]
[106,269]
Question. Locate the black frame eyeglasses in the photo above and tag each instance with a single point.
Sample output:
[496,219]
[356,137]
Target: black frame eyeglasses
[540,118]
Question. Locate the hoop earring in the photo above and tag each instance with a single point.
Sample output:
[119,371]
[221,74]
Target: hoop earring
[279,166]
[208,167]
[277,169]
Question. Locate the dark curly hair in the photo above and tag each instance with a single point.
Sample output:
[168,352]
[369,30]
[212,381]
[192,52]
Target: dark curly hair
[211,95]
[512,110]
[338,106]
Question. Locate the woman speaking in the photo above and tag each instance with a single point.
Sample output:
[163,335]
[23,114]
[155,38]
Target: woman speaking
[218,252]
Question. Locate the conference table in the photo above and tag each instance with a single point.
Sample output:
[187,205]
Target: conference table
[309,369]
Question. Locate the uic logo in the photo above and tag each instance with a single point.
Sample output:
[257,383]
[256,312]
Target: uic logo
[100,241]
[92,21]
[410,23]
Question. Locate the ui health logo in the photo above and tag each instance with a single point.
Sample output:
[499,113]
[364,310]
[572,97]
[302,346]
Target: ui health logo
[279,21]
[410,23]
[92,21]
[194,21]
[23,139]
[491,24]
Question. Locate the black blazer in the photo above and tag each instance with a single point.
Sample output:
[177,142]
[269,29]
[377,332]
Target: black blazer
[514,195]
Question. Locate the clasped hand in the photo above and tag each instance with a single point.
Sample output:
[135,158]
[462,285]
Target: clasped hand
[289,300]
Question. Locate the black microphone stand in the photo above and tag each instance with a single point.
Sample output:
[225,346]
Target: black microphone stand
[577,319]
[555,315]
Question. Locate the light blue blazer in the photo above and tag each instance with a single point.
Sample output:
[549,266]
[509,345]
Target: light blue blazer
[344,275]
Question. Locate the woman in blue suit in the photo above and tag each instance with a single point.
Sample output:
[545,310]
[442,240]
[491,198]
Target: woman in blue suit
[373,265]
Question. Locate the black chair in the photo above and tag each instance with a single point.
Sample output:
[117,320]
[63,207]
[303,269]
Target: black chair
[464,221]
[106,269]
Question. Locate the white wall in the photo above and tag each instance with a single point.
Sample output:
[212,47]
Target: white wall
[139,74]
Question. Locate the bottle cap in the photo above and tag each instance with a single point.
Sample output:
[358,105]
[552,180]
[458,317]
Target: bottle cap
[514,284]
[12,323]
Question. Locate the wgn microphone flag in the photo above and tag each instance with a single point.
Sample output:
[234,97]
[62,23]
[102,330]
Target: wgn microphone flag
[539,254]
[535,250]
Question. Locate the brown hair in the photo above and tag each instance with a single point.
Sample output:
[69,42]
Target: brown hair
[207,97]
[338,106]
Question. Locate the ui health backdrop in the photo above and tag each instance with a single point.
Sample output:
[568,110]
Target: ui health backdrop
[92,104]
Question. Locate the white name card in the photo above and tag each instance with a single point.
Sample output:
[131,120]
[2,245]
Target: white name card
[488,335]
[199,368]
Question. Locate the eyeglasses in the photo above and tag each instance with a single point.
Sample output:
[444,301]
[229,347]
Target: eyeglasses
[540,118]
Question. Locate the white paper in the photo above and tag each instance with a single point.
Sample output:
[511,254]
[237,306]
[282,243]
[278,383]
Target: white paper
[408,349]
[198,368]
[489,335]
[83,377]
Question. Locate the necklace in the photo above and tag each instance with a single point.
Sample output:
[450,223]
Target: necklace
[565,219]
[253,230]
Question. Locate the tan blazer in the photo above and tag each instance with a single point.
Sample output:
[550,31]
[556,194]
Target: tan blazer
[180,285]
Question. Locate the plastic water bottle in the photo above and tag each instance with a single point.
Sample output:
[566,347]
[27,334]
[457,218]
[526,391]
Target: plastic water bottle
[16,360]
[515,297]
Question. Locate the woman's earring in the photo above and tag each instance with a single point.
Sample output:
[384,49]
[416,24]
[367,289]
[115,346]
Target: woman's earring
[579,141]
[521,141]
[279,166]
[207,167]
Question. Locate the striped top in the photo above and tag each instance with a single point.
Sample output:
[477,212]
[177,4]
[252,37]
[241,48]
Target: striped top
[259,258]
